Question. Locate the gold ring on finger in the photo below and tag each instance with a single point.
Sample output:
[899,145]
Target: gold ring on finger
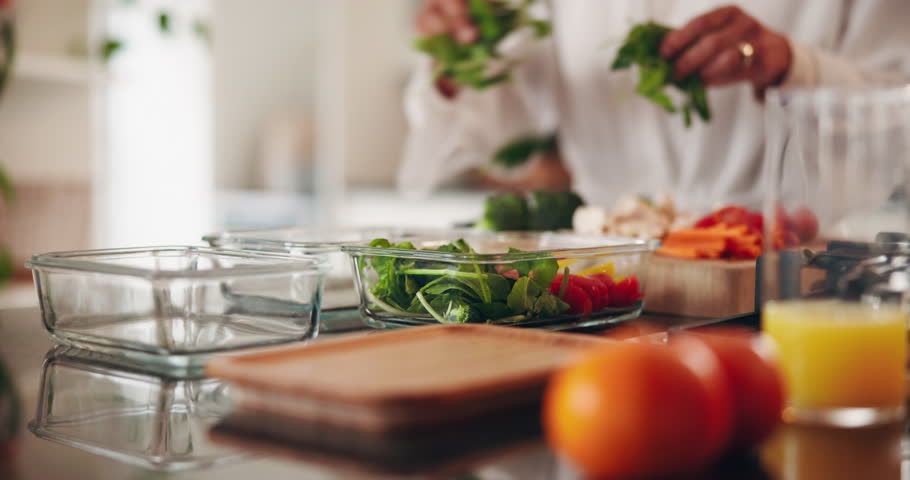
[747,52]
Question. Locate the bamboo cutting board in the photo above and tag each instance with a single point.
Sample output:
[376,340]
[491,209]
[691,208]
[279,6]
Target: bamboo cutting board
[402,379]
[699,288]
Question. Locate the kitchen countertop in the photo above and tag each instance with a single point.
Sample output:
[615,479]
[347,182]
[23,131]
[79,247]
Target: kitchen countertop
[798,453]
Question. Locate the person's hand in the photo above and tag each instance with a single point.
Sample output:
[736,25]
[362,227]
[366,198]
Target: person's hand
[448,17]
[727,45]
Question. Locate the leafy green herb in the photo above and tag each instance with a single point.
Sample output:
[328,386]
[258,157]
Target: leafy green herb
[109,47]
[520,150]
[164,22]
[642,47]
[468,65]
[464,292]
[541,271]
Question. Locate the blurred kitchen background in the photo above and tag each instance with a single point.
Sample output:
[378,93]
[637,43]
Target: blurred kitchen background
[138,122]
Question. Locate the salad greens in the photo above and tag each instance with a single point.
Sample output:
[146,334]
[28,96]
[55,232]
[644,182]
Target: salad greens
[469,65]
[467,292]
[642,47]
[538,211]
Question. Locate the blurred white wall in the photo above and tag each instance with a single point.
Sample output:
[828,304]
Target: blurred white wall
[377,53]
[269,58]
[265,68]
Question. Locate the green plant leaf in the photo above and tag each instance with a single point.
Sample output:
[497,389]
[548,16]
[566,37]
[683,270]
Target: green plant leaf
[7,264]
[541,271]
[494,310]
[110,47]
[164,22]
[202,30]
[7,189]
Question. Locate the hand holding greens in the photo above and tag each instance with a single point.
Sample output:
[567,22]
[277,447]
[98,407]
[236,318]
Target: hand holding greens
[642,47]
[469,65]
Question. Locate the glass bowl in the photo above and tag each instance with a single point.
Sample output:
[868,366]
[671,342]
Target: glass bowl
[340,300]
[177,305]
[511,279]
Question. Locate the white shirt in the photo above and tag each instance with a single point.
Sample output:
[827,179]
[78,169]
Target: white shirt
[615,142]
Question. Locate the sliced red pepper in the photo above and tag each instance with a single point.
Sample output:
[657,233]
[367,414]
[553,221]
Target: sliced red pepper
[605,279]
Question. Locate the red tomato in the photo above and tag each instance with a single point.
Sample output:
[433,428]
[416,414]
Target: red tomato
[756,222]
[755,380]
[804,223]
[594,289]
[781,218]
[597,291]
[579,302]
[625,292]
[785,238]
[732,215]
[699,357]
[603,291]
[605,279]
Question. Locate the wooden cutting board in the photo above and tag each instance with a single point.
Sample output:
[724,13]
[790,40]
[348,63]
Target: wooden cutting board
[404,379]
[699,288]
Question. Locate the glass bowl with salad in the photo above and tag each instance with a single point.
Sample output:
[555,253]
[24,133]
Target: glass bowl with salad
[551,280]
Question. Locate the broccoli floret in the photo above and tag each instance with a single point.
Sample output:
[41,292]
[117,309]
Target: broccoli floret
[552,211]
[506,211]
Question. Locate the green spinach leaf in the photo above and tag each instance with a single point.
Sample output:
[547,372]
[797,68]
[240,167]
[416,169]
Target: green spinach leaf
[468,65]
[541,271]
[642,47]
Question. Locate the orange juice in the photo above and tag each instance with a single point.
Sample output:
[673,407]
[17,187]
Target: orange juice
[839,355]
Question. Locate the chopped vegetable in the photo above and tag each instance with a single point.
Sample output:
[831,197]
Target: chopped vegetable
[734,232]
[462,293]
[600,291]
[642,47]
[472,292]
[552,210]
[471,65]
[504,212]
[540,211]
[717,241]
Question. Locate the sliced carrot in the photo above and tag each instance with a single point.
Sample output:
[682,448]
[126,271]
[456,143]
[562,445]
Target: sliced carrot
[716,241]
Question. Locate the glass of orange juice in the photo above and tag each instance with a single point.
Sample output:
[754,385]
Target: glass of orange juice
[835,265]
[844,362]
